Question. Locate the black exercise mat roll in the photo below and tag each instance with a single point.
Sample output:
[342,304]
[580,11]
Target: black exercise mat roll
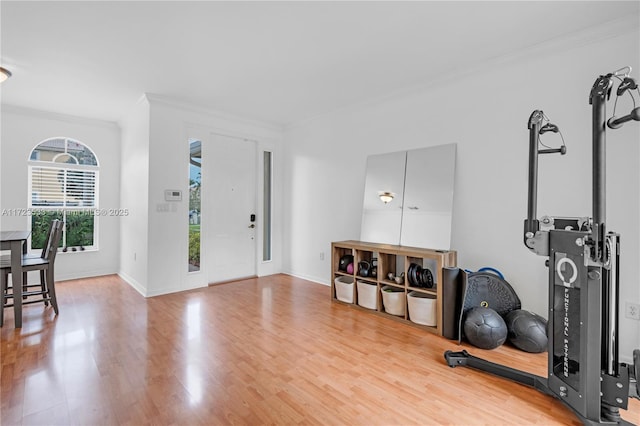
[452,291]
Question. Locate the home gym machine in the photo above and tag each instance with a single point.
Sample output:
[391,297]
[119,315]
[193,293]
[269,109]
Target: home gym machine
[583,259]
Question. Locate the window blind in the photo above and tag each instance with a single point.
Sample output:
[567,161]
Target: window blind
[63,187]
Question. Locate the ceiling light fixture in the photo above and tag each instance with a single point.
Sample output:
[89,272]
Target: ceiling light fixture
[4,74]
[386,196]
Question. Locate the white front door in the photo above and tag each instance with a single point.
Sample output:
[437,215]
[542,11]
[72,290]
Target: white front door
[230,234]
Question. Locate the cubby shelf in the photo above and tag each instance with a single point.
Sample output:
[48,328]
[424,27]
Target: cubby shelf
[389,259]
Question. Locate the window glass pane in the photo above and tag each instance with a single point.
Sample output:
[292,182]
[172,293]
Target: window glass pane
[78,231]
[266,237]
[79,228]
[195,179]
[61,150]
[65,158]
[47,150]
[40,223]
[82,153]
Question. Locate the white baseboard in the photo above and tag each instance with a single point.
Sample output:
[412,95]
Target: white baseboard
[322,281]
[84,274]
[169,290]
[133,283]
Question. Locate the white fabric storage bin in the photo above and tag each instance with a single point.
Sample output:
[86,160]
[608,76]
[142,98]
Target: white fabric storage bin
[422,308]
[367,294]
[394,300]
[344,288]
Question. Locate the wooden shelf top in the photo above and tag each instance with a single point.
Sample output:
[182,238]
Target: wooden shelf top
[389,248]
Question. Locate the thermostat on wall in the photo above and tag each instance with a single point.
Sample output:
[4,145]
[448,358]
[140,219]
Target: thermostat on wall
[172,195]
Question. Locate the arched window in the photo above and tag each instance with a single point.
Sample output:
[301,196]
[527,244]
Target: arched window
[63,184]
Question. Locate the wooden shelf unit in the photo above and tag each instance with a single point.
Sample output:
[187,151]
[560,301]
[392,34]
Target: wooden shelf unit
[393,259]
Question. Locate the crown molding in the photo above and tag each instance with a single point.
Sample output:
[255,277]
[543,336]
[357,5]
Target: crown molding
[49,115]
[175,103]
[577,39]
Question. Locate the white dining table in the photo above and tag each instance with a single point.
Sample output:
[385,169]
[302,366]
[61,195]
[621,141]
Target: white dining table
[16,242]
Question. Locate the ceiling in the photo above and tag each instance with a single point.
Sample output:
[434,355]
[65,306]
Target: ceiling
[278,62]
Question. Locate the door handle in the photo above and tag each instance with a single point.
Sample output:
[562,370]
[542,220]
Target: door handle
[251,226]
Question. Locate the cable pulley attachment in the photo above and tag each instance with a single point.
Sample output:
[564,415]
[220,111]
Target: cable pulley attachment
[627,85]
[546,128]
[616,123]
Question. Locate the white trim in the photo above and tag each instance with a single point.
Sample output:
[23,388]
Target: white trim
[133,283]
[175,103]
[50,115]
[307,278]
[574,40]
[83,274]
[170,290]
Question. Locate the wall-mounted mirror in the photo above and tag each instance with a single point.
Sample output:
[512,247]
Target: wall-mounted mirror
[382,218]
[408,197]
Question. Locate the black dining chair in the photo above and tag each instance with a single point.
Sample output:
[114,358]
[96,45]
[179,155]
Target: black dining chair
[7,258]
[43,263]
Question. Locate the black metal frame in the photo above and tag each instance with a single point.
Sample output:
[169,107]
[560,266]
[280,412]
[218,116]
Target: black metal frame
[584,371]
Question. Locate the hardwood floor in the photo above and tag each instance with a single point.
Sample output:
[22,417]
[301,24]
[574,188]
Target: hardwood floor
[272,350]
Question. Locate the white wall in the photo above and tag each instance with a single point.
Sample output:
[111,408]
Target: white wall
[148,248]
[170,126]
[485,112]
[22,130]
[134,196]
